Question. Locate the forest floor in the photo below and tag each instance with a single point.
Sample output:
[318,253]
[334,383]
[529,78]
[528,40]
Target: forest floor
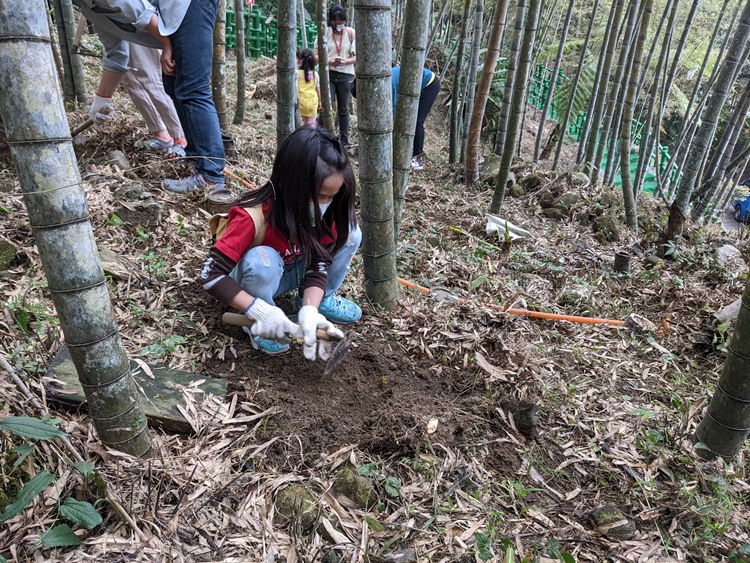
[451,432]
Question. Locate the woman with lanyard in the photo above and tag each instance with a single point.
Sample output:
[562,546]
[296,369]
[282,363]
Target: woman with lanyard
[341,59]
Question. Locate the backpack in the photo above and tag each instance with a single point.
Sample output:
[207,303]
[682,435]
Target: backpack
[218,224]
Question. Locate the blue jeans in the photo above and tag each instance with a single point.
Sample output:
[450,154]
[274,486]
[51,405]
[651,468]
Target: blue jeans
[190,88]
[261,271]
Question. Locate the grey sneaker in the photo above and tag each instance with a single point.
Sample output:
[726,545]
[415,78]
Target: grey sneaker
[156,144]
[176,151]
[191,183]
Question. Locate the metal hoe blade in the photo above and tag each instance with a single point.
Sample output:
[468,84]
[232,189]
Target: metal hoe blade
[339,353]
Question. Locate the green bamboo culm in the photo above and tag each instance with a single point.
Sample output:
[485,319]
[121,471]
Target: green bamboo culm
[726,424]
[416,28]
[286,70]
[376,150]
[218,67]
[31,107]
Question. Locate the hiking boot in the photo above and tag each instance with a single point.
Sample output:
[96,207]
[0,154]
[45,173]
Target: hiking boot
[340,310]
[266,345]
[417,163]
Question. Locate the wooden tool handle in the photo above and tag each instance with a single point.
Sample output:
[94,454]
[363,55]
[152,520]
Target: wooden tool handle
[241,320]
[82,127]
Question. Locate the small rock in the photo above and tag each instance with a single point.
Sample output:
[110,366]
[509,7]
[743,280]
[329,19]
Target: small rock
[652,261]
[331,557]
[516,191]
[8,252]
[553,213]
[119,159]
[354,486]
[606,229]
[612,523]
[297,502]
[490,167]
[531,181]
[579,179]
[731,258]
[112,264]
[565,203]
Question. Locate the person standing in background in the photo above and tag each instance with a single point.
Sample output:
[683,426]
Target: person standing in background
[144,86]
[427,96]
[308,87]
[341,59]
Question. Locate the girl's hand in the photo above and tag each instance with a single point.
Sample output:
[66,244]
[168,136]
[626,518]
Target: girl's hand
[166,60]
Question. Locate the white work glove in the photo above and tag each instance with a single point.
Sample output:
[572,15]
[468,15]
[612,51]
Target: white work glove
[101,110]
[271,322]
[310,320]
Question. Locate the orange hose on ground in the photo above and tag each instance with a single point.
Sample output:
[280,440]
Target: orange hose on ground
[527,312]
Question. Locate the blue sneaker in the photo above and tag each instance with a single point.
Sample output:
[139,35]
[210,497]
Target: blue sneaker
[266,345]
[340,310]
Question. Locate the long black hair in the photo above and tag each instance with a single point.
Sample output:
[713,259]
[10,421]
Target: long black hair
[304,160]
[308,63]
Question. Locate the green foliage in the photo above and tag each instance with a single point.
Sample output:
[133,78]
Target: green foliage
[160,349]
[29,492]
[30,428]
[740,554]
[81,513]
[483,544]
[60,536]
[78,512]
[563,91]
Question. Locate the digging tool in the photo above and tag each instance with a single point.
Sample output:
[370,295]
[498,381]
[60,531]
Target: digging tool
[82,127]
[75,47]
[444,294]
[338,353]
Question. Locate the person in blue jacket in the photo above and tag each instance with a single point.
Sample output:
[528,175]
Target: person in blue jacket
[430,90]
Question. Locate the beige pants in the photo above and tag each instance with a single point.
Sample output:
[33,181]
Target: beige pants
[145,88]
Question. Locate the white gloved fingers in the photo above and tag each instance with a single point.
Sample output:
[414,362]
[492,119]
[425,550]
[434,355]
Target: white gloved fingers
[334,332]
[308,322]
[325,349]
[101,110]
[309,350]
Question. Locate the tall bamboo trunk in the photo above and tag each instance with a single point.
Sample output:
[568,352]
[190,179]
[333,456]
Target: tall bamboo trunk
[589,164]
[722,155]
[416,25]
[218,69]
[456,101]
[286,69]
[326,113]
[553,81]
[517,103]
[76,61]
[648,137]
[511,73]
[691,121]
[301,19]
[679,209]
[609,35]
[574,87]
[31,107]
[615,92]
[239,30]
[471,78]
[375,150]
[474,143]
[437,25]
[725,426]
[631,214]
